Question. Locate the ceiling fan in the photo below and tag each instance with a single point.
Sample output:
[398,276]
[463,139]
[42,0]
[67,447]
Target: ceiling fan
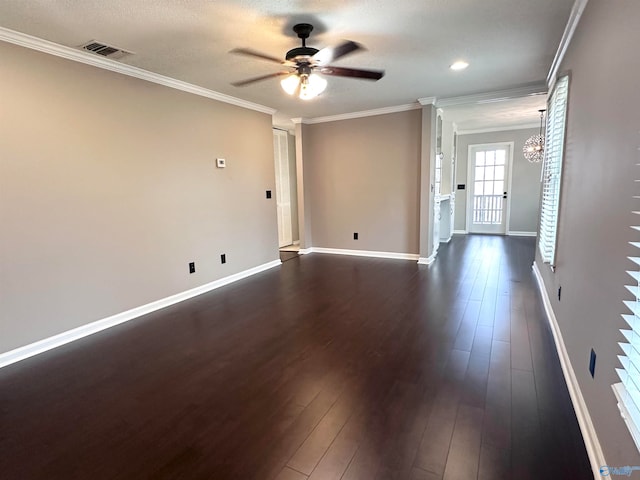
[304,63]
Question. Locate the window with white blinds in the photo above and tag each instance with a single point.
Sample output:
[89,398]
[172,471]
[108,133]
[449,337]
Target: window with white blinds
[552,169]
[628,392]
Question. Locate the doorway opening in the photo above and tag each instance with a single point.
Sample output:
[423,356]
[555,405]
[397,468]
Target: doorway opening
[286,193]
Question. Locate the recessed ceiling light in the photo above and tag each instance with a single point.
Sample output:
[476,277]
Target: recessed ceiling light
[459,65]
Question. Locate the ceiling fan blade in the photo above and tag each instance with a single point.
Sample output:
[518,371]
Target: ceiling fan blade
[353,73]
[249,81]
[253,53]
[329,54]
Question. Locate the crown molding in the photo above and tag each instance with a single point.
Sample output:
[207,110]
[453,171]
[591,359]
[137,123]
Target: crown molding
[45,46]
[298,120]
[569,30]
[366,113]
[497,96]
[499,129]
[427,101]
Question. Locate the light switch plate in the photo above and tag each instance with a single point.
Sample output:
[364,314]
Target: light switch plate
[221,162]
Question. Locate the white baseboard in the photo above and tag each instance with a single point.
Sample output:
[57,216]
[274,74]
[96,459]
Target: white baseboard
[41,346]
[427,260]
[364,253]
[513,233]
[460,232]
[304,251]
[594,450]
[445,240]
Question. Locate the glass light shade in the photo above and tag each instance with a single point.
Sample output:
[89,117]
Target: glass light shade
[533,149]
[312,86]
[290,84]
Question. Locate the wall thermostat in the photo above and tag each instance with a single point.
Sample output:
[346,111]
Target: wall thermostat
[221,162]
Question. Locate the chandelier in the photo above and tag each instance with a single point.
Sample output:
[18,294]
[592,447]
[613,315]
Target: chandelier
[533,149]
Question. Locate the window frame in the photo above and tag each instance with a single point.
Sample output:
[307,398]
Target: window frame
[551,175]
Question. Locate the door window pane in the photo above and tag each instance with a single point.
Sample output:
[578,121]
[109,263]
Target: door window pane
[499,172]
[478,188]
[479,173]
[480,158]
[500,157]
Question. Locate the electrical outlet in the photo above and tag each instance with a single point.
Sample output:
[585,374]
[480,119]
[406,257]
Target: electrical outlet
[355,235]
[268,193]
[592,363]
[223,258]
[192,267]
[559,293]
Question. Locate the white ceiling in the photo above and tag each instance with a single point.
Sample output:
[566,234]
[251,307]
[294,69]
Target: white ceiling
[496,115]
[508,43]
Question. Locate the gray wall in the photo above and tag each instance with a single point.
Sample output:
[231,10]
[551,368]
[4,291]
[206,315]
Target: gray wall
[596,200]
[525,186]
[363,176]
[108,189]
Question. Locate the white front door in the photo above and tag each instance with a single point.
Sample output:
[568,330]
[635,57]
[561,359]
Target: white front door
[488,188]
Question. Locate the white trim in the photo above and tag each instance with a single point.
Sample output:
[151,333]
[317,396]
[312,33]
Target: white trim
[94,60]
[41,346]
[445,240]
[366,113]
[460,232]
[365,253]
[500,129]
[427,260]
[305,251]
[496,96]
[427,101]
[569,30]
[514,233]
[507,211]
[594,450]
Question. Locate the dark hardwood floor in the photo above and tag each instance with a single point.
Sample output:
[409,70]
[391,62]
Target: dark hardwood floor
[328,367]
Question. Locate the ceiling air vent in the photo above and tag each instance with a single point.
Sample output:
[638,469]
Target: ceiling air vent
[105,50]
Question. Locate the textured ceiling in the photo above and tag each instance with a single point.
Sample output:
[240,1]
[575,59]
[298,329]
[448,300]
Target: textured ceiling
[508,43]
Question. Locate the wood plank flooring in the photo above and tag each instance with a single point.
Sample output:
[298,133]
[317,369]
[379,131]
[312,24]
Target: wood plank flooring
[329,367]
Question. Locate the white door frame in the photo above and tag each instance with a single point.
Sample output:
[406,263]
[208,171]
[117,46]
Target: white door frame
[283,187]
[471,166]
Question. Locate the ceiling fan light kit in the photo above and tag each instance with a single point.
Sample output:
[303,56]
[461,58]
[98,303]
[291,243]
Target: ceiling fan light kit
[306,63]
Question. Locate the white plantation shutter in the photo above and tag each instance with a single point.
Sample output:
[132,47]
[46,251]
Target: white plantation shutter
[628,392]
[552,169]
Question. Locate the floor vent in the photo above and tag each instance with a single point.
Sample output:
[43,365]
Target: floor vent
[105,50]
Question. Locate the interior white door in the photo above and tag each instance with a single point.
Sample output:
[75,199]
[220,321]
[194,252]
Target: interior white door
[488,195]
[283,190]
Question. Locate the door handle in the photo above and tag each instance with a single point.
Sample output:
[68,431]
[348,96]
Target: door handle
[504,195]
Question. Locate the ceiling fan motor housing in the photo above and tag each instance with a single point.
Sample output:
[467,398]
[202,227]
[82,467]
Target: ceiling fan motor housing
[303,30]
[301,52]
